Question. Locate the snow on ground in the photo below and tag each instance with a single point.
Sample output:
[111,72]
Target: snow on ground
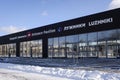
[28,72]
[19,75]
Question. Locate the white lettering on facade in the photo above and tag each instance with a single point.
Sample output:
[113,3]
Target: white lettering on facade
[98,22]
[75,26]
[24,36]
[49,31]
[34,34]
[13,38]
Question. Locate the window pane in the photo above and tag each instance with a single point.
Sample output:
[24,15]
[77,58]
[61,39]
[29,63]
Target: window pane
[83,45]
[102,43]
[92,45]
[50,47]
[107,43]
[12,50]
[61,46]
[31,48]
[72,46]
[55,46]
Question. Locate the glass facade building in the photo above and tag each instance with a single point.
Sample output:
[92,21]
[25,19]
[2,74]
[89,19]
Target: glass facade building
[93,36]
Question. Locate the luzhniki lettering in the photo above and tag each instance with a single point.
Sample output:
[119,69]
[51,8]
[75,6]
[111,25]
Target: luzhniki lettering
[98,22]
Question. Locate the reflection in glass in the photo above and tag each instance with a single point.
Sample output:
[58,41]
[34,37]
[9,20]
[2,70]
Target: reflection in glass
[31,48]
[112,43]
[92,44]
[8,50]
[83,45]
[4,50]
[50,47]
[72,46]
[62,47]
[11,50]
[107,43]
[56,47]
[101,44]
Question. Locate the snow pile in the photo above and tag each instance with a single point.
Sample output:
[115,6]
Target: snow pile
[76,74]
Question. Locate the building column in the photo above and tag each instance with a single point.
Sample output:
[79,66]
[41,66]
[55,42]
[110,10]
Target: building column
[18,49]
[45,47]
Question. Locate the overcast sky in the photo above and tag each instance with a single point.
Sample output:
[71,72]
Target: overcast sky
[17,15]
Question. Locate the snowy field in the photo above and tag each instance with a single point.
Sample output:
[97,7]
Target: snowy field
[28,72]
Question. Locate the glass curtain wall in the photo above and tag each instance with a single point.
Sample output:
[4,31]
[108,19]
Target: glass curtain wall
[112,44]
[24,49]
[72,46]
[3,51]
[107,42]
[11,49]
[59,46]
[56,47]
[8,50]
[103,44]
[31,48]
[36,48]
